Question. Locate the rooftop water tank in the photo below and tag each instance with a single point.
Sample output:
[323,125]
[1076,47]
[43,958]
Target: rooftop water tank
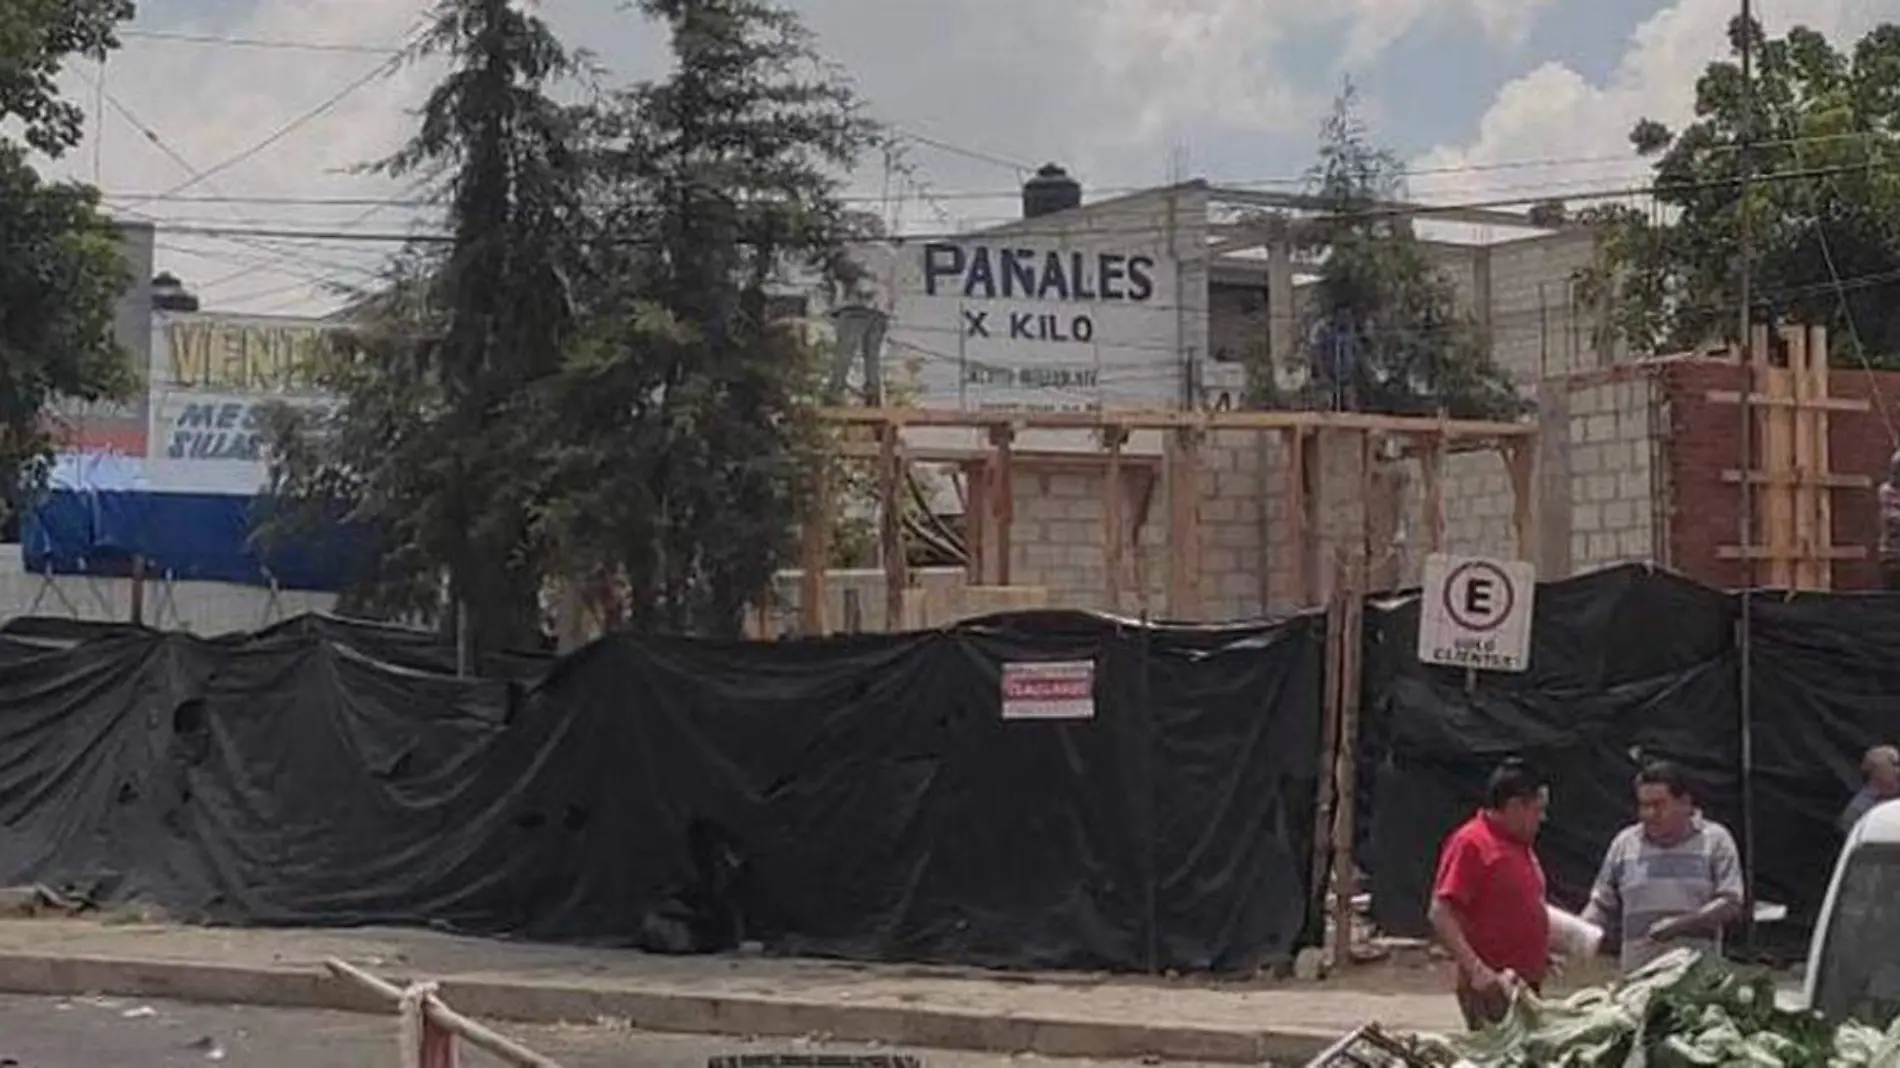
[1050,191]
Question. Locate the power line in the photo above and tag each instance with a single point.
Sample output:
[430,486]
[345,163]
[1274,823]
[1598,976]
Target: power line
[1139,226]
[323,108]
[256,42]
[267,200]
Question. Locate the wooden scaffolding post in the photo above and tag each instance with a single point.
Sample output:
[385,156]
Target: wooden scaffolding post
[1328,753]
[815,551]
[1184,524]
[1003,497]
[1298,532]
[1113,438]
[1793,515]
[1520,459]
[976,521]
[891,486]
[1346,764]
[1432,461]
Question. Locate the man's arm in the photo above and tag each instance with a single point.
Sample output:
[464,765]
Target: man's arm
[1605,906]
[1725,862]
[1460,871]
[1450,930]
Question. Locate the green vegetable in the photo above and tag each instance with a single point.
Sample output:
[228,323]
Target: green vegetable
[1682,1010]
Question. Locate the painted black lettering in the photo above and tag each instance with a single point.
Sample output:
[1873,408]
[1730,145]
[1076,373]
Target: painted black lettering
[1141,282]
[1019,326]
[1082,328]
[1079,276]
[1019,272]
[1114,270]
[941,261]
[1054,278]
[976,323]
[980,282]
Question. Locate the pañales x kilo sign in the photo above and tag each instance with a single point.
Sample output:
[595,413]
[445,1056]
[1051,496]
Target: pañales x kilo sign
[1476,613]
[987,273]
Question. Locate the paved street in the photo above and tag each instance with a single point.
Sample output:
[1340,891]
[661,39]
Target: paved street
[122,1033]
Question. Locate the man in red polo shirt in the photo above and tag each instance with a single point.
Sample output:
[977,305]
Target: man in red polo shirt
[1488,900]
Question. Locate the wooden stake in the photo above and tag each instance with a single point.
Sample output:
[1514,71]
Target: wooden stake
[1184,526]
[1806,489]
[1432,464]
[1113,538]
[1346,766]
[1297,532]
[976,521]
[891,528]
[1823,463]
[1003,497]
[1520,458]
[1328,749]
[475,1034]
[815,554]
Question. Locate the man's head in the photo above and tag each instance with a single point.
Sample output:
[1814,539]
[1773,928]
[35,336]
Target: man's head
[1881,766]
[1516,797]
[1664,802]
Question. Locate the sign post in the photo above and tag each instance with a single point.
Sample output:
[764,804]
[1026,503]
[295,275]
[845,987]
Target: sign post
[1475,613]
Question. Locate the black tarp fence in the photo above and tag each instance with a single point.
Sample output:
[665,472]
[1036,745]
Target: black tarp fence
[1630,661]
[855,797]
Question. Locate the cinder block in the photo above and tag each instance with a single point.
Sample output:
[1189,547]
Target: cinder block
[1586,518]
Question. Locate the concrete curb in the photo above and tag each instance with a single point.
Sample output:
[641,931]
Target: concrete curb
[658,1009]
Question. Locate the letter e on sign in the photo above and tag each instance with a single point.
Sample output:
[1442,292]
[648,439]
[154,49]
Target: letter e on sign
[1475,613]
[1054,689]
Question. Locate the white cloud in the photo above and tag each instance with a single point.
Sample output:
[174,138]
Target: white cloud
[1581,129]
[1107,87]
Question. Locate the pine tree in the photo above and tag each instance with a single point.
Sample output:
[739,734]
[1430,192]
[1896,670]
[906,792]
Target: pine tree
[1386,330]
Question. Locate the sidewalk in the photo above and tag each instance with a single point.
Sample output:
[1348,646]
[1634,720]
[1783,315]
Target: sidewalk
[1051,1015]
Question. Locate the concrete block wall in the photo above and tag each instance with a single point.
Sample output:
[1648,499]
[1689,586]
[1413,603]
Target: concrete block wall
[1613,448]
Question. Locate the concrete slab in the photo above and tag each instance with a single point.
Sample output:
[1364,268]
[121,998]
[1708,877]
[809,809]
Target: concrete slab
[1067,1015]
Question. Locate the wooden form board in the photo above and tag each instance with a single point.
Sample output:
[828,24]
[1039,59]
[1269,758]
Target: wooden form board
[1130,482]
[1787,479]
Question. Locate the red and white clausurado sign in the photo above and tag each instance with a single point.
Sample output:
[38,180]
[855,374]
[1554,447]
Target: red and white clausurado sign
[1056,689]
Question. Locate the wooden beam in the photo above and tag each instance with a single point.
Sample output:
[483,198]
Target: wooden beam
[976,521]
[475,1034]
[1772,400]
[1113,537]
[1003,496]
[815,553]
[1767,552]
[1823,463]
[1822,479]
[1296,527]
[1038,459]
[1176,420]
[1432,462]
[1775,508]
[1184,525]
[1806,497]
[890,504]
[1346,766]
[1520,458]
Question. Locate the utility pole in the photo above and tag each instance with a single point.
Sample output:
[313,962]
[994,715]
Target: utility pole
[1744,631]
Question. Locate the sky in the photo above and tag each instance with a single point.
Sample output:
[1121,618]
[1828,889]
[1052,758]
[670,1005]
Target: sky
[260,114]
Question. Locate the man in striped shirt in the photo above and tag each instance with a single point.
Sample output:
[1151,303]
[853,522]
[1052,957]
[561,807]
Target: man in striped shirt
[1674,879]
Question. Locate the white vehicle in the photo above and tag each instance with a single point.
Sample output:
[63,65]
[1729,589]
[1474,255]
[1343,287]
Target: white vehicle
[1853,966]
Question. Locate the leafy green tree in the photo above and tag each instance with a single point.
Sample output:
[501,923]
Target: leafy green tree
[1386,330]
[431,447]
[1824,209]
[681,428]
[60,270]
